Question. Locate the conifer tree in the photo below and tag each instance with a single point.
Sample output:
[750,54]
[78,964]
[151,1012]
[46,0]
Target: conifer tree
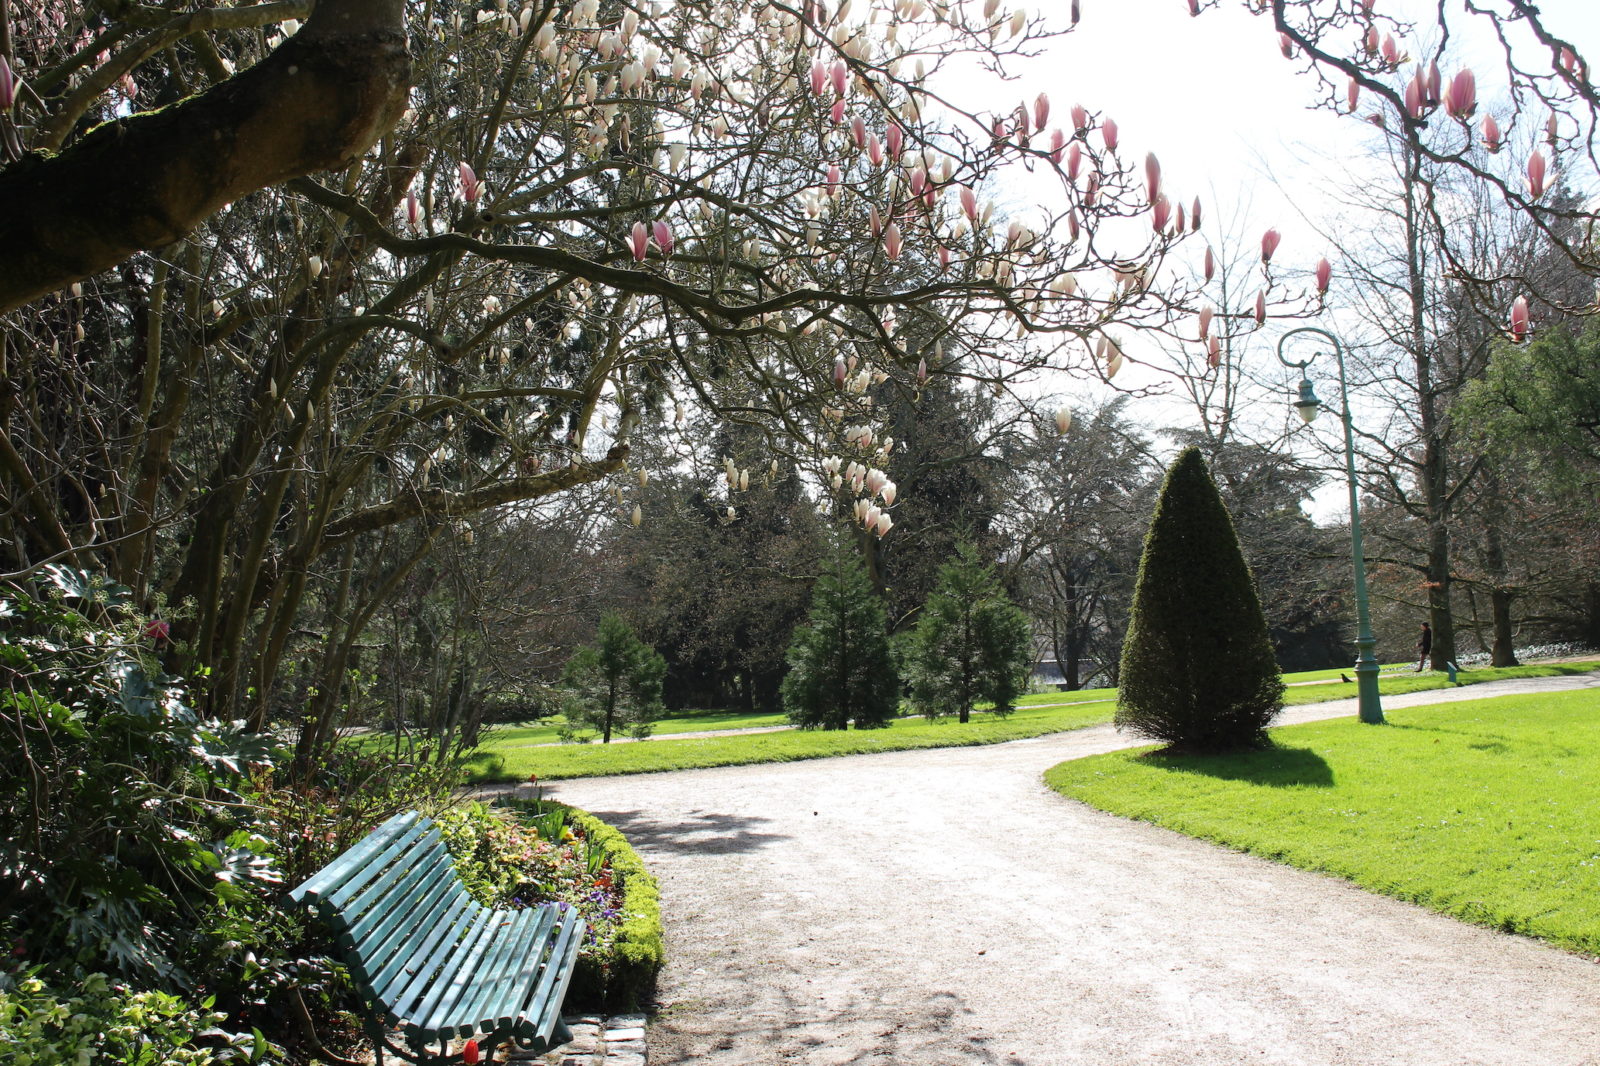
[971,643]
[1198,670]
[615,682]
[841,669]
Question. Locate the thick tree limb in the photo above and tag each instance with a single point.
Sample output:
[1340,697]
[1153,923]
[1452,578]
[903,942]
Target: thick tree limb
[141,182]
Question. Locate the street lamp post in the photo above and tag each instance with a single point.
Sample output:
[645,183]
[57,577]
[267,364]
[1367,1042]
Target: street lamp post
[1308,405]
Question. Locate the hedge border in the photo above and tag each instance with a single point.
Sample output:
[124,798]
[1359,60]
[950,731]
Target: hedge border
[628,977]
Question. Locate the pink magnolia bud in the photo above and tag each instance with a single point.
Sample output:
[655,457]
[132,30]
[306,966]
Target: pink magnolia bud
[840,74]
[1108,130]
[1058,144]
[1194,8]
[969,203]
[1160,214]
[1080,118]
[837,111]
[1205,322]
[1519,319]
[891,241]
[1152,176]
[1091,190]
[1286,45]
[1491,133]
[1569,61]
[858,131]
[1431,85]
[1214,352]
[1372,40]
[1074,161]
[1269,244]
[1352,95]
[1391,50]
[1041,110]
[833,179]
[469,183]
[1414,100]
[874,150]
[838,373]
[944,257]
[874,221]
[1324,275]
[1194,216]
[1461,99]
[413,213]
[1072,225]
[1178,226]
[663,235]
[894,137]
[639,241]
[819,77]
[922,369]
[1536,174]
[919,181]
[1210,264]
[1261,306]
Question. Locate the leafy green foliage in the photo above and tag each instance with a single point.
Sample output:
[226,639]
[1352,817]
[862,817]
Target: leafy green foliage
[616,682]
[99,1021]
[840,666]
[1465,808]
[131,835]
[971,643]
[1198,670]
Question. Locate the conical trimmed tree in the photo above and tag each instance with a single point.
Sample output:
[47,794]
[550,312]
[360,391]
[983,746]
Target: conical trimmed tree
[1198,671]
[841,669]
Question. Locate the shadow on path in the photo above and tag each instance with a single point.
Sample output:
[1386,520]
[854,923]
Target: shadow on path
[699,833]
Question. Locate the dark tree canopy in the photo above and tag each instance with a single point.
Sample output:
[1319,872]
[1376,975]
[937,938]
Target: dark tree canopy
[1197,666]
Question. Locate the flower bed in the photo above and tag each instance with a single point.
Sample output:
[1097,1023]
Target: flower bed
[537,851]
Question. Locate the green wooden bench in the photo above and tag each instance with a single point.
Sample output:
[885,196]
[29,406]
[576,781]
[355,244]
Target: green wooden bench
[432,962]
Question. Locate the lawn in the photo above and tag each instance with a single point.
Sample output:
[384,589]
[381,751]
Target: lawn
[511,754]
[1485,810]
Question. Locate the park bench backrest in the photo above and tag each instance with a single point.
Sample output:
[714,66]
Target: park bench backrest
[422,951]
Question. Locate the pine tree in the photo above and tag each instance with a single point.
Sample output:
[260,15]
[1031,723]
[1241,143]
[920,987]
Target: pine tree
[840,666]
[1198,670]
[616,682]
[971,643]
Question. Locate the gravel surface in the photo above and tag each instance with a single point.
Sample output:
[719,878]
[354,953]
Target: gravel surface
[938,907]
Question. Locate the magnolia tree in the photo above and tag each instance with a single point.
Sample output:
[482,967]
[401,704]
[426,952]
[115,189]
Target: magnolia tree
[248,384]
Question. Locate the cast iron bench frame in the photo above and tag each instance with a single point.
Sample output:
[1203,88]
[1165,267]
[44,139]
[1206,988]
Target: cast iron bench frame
[432,961]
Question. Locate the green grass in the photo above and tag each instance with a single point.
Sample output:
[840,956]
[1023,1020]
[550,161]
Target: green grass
[512,753]
[1483,810]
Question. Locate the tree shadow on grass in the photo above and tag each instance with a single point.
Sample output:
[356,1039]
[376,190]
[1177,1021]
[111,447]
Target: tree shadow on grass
[1275,766]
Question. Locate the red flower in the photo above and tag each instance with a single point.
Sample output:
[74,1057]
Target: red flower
[157,630]
[469,1052]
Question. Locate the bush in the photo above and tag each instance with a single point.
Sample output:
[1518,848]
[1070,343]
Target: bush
[840,666]
[1198,670]
[106,1022]
[971,643]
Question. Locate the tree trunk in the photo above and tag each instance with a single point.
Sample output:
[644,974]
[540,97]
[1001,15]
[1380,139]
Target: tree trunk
[1504,653]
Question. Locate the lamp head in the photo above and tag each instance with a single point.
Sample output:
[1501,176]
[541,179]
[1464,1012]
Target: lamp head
[1307,405]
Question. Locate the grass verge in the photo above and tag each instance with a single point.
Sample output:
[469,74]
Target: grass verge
[508,756]
[1484,810]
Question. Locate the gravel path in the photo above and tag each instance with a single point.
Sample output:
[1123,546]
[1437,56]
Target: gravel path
[936,907]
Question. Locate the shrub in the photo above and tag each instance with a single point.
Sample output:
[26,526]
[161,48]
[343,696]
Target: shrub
[971,643]
[615,683]
[840,666]
[1198,670]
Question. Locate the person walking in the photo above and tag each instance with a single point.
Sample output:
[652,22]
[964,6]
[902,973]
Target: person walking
[1424,646]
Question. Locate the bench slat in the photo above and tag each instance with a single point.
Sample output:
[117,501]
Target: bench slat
[377,950]
[379,868]
[416,980]
[511,946]
[436,1021]
[352,861]
[392,890]
[502,1010]
[553,980]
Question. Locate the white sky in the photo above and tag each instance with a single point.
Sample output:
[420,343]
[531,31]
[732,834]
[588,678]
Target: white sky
[1230,119]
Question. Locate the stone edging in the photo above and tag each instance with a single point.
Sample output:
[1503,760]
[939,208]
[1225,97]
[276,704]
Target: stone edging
[597,1040]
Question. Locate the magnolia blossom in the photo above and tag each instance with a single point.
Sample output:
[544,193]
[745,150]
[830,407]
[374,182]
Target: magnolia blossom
[1205,322]
[1352,94]
[1491,133]
[1080,118]
[819,77]
[469,184]
[1519,319]
[1160,214]
[1461,99]
[840,74]
[891,241]
[1152,176]
[639,241]
[894,137]
[1041,111]
[1058,145]
[1269,244]
[1214,352]
[1324,275]
[637,516]
[1194,217]
[1063,419]
[1261,307]
[1536,174]
[663,235]
[1210,264]
[1108,131]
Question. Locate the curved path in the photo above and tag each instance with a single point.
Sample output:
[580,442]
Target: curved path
[936,907]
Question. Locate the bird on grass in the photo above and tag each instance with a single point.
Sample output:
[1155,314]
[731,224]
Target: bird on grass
[1345,678]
